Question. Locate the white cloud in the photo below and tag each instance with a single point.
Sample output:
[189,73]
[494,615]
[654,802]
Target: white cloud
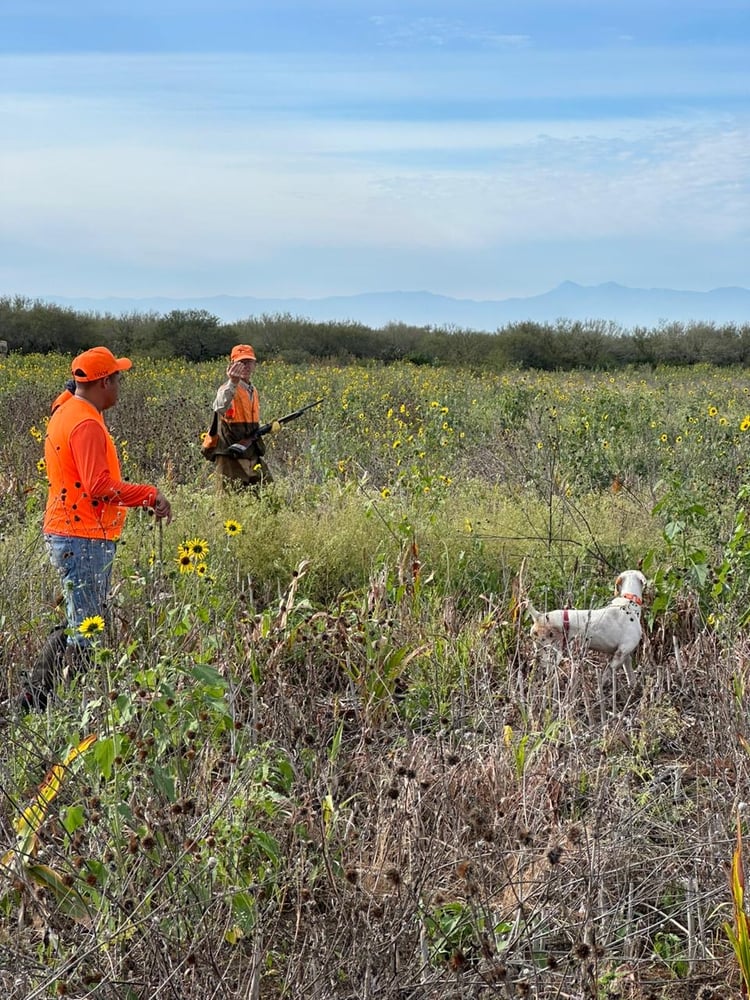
[398,30]
[186,161]
[334,187]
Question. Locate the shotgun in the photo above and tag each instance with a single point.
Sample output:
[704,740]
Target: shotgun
[238,450]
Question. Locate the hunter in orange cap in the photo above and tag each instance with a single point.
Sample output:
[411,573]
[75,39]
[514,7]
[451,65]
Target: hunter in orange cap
[238,409]
[86,506]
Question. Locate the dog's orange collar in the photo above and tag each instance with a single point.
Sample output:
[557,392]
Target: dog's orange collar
[632,597]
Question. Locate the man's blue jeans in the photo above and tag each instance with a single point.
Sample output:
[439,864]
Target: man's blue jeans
[85,568]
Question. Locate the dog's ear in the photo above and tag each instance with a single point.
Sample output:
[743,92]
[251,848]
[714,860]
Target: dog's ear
[618,582]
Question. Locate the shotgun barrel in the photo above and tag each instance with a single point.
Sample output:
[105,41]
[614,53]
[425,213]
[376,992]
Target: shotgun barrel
[239,449]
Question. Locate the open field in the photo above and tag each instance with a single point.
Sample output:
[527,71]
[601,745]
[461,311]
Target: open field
[329,761]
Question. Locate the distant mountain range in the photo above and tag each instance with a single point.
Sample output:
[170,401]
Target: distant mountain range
[627,307]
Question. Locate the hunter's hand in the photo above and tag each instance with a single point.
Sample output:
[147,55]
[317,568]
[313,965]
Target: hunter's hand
[275,427]
[242,369]
[236,371]
[162,508]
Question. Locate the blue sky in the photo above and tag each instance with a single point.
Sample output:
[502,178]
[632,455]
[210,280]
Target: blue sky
[479,149]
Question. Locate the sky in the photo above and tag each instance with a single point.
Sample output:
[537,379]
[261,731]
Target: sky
[479,149]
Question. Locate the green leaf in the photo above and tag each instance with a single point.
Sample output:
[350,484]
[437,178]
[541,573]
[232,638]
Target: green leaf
[209,676]
[268,844]
[673,530]
[105,752]
[73,818]
[164,782]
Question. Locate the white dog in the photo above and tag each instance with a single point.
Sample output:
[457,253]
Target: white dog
[615,629]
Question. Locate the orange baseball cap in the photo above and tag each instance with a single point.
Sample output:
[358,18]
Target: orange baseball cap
[98,362]
[242,352]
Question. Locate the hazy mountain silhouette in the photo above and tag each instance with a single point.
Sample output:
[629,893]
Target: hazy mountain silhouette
[627,307]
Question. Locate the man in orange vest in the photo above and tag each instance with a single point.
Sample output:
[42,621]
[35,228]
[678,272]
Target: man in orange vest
[87,503]
[238,407]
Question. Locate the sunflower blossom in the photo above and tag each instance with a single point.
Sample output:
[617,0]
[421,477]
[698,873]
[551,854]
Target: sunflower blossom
[197,547]
[92,625]
[185,562]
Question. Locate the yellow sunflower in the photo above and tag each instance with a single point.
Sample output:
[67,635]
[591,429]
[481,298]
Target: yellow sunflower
[185,562]
[92,625]
[197,547]
[232,527]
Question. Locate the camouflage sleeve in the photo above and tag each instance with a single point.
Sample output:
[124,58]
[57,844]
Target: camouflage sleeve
[224,397]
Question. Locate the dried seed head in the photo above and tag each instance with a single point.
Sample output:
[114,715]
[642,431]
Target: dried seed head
[574,834]
[495,971]
[394,876]
[581,950]
[457,961]
[554,854]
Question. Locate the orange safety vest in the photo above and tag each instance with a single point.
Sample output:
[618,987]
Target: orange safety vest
[64,396]
[70,510]
[241,418]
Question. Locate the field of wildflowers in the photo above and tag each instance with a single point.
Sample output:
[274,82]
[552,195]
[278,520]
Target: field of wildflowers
[319,756]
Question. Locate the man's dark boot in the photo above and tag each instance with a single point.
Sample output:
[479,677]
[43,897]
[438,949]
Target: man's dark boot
[75,660]
[45,673]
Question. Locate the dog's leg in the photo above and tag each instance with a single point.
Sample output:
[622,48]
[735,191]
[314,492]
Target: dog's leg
[623,660]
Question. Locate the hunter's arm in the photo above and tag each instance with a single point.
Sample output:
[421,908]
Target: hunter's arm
[224,397]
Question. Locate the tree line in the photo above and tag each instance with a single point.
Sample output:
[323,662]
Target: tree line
[33,326]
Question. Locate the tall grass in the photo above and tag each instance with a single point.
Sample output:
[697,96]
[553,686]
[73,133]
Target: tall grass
[329,762]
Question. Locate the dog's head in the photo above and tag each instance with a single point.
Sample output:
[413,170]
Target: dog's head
[630,581]
[545,633]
